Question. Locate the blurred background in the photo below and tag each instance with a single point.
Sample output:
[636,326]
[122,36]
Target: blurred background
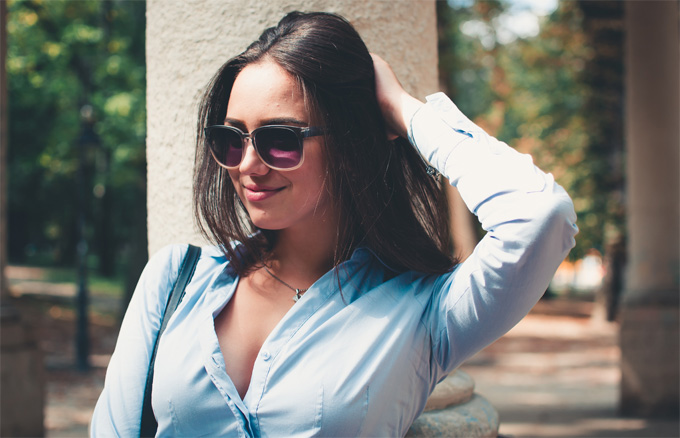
[546,77]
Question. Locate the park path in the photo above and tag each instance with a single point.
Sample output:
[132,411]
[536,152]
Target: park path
[556,374]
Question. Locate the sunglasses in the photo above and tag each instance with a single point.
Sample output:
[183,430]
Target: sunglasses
[278,146]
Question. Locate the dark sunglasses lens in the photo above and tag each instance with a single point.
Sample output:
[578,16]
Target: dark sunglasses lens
[226,145]
[279,147]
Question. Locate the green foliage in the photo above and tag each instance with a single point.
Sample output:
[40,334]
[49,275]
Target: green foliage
[65,57]
[533,93]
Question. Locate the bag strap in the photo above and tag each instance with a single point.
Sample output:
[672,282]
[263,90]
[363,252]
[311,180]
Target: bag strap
[186,271]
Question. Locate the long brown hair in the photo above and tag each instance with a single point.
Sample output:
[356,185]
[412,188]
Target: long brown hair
[386,200]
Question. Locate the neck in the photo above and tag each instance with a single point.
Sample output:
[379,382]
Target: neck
[305,253]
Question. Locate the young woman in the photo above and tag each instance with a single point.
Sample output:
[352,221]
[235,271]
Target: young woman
[330,303]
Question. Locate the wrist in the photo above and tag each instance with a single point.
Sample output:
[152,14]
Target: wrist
[409,106]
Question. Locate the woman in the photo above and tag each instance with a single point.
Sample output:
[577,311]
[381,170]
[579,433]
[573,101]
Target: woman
[330,304]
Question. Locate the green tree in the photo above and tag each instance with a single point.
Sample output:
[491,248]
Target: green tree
[66,60]
[544,95]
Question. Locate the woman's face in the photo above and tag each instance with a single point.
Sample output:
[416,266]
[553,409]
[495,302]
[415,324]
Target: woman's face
[265,94]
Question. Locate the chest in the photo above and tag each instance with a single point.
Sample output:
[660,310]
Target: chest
[325,366]
[243,326]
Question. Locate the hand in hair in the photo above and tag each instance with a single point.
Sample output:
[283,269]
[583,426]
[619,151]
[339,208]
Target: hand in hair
[396,104]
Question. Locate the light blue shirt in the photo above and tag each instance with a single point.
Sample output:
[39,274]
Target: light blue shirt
[360,362]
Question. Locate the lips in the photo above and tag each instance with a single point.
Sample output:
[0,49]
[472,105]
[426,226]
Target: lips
[255,193]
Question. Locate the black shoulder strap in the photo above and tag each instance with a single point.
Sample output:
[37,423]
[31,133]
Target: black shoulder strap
[186,271]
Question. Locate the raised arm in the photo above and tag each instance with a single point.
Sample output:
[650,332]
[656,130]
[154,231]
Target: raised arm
[529,220]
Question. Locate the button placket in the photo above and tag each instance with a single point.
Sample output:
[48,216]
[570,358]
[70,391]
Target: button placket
[261,369]
[216,359]
[213,361]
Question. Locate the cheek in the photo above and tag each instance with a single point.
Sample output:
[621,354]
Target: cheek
[315,185]
[316,172]
[234,181]
[316,165]
[234,177]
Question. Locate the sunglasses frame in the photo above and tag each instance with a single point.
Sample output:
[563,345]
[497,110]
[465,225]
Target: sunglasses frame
[300,133]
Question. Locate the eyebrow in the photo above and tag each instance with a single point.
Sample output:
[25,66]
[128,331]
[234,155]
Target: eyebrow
[273,121]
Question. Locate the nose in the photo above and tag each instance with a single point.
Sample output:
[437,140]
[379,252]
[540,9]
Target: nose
[251,164]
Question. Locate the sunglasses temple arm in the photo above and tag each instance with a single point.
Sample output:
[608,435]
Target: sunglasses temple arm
[312,131]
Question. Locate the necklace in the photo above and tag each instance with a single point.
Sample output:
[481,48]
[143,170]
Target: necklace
[298,292]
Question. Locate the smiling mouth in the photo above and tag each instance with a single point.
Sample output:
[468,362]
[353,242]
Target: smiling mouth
[255,194]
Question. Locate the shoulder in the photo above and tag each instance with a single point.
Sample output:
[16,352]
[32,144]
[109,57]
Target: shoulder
[165,262]
[162,269]
[171,256]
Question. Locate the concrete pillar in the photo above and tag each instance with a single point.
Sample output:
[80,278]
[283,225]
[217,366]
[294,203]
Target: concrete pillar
[649,314]
[188,41]
[22,387]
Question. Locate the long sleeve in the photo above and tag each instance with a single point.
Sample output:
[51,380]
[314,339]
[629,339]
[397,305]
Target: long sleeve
[529,222]
[119,409]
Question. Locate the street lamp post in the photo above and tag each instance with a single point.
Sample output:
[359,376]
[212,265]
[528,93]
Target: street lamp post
[88,138]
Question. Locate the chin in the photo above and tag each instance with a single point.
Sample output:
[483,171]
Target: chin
[267,223]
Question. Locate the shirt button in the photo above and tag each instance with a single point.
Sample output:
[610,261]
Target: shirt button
[265,355]
[216,361]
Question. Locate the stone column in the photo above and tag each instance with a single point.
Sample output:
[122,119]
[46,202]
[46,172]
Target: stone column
[187,42]
[22,387]
[649,314]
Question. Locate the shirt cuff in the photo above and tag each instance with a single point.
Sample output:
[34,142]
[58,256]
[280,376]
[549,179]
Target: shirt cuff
[478,164]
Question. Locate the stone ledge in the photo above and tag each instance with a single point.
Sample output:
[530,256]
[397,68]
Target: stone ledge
[476,418]
[457,388]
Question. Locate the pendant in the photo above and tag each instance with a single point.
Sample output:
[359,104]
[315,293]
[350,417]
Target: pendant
[298,295]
